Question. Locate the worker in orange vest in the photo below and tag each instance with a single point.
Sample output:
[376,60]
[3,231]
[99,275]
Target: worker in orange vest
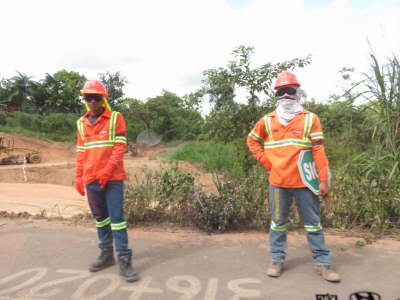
[288,142]
[101,143]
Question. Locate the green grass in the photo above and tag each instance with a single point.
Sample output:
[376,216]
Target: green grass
[212,156]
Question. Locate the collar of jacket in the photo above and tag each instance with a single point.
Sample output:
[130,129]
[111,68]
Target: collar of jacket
[106,114]
[273,114]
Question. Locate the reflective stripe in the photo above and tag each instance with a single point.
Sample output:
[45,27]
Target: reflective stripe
[79,125]
[288,142]
[267,121]
[119,226]
[313,228]
[104,143]
[307,125]
[305,142]
[277,203]
[112,125]
[120,139]
[113,121]
[254,135]
[278,227]
[103,223]
[317,135]
[97,144]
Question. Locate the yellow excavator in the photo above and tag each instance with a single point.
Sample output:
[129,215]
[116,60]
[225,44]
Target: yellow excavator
[14,155]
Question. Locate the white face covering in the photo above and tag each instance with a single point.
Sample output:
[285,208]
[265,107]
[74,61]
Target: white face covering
[288,108]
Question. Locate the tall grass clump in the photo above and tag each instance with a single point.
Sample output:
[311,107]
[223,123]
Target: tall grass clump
[367,189]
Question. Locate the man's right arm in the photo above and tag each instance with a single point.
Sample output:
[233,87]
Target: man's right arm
[80,152]
[255,143]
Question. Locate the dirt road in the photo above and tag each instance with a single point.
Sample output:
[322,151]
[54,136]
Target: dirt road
[43,260]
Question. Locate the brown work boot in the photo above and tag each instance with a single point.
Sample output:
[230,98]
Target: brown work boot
[327,273]
[275,269]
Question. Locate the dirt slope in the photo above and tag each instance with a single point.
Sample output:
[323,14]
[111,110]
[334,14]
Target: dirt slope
[49,185]
[51,151]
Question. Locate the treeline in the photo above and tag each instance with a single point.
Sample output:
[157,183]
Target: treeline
[361,126]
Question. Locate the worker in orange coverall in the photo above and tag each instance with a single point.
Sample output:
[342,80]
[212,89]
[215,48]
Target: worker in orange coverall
[288,142]
[101,143]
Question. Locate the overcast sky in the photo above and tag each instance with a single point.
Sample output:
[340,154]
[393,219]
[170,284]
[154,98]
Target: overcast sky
[166,44]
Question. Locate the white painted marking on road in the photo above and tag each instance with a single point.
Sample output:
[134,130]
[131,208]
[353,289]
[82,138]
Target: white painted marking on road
[40,273]
[211,291]
[189,292]
[112,286]
[141,288]
[188,287]
[241,293]
[35,292]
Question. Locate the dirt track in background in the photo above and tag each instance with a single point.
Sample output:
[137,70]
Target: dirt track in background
[49,185]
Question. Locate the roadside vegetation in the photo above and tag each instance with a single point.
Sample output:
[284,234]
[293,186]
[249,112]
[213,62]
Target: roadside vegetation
[361,127]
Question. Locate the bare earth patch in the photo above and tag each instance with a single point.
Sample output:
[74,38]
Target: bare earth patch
[48,186]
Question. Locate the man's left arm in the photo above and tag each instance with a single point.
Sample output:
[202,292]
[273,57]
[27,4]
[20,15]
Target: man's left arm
[117,154]
[319,157]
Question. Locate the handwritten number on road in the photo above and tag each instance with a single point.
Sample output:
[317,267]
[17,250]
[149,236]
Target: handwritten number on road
[187,286]
[39,274]
[35,291]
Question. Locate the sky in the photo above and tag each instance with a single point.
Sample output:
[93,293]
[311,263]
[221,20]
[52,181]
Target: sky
[167,44]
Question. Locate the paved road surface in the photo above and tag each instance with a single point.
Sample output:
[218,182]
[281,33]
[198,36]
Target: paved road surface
[47,260]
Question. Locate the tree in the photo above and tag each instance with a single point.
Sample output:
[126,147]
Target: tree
[16,90]
[115,84]
[219,86]
[259,79]
[167,115]
[63,90]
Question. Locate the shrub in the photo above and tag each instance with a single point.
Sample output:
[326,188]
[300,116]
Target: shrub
[3,117]
[170,194]
[159,195]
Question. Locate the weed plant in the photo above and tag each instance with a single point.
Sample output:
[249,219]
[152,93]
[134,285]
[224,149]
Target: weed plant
[170,195]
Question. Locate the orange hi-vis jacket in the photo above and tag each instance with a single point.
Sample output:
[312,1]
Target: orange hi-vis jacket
[101,145]
[278,147]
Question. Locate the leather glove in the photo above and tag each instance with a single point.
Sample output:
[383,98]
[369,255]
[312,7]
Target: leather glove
[79,186]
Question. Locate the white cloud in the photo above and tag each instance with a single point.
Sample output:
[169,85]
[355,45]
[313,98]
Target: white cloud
[162,44]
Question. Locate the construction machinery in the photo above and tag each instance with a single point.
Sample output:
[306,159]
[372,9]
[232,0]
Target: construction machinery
[15,155]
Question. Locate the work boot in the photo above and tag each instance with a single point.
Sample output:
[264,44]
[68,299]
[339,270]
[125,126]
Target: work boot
[126,270]
[105,259]
[327,273]
[275,269]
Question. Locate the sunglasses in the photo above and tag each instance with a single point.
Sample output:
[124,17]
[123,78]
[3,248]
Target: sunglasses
[95,97]
[286,90]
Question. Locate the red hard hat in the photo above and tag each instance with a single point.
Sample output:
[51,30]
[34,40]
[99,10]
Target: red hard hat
[285,79]
[94,87]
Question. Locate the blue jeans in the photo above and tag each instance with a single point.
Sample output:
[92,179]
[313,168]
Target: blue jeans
[308,204]
[107,208]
